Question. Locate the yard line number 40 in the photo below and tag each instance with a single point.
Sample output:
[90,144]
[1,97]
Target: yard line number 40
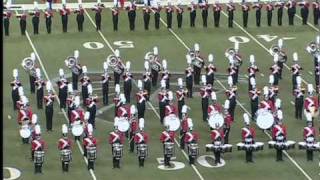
[265,37]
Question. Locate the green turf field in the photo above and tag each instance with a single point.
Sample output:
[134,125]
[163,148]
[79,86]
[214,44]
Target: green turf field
[173,45]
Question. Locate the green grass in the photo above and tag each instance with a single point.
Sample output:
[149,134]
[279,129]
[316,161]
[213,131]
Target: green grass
[54,48]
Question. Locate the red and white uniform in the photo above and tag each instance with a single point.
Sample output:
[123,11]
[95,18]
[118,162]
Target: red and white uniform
[279,129]
[205,92]
[116,101]
[316,5]
[24,114]
[181,94]
[254,94]
[179,9]
[311,102]
[228,120]
[64,143]
[162,96]
[62,83]
[90,142]
[77,114]
[248,133]
[257,6]
[204,5]
[157,9]
[192,7]
[141,137]
[91,101]
[48,14]
[269,7]
[267,105]
[116,137]
[37,145]
[7,14]
[210,69]
[291,4]
[133,7]
[275,69]
[245,7]
[232,70]
[115,11]
[127,76]
[170,109]
[134,125]
[216,135]
[217,7]
[252,70]
[49,99]
[231,93]
[169,9]
[167,136]
[295,69]
[79,11]
[309,132]
[185,124]
[141,96]
[191,137]
[231,7]
[214,108]
[65,11]
[123,111]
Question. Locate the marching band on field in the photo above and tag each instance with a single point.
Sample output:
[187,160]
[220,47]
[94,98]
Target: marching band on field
[129,119]
[155,8]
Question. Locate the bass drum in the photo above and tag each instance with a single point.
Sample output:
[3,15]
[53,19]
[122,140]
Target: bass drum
[172,121]
[123,124]
[77,129]
[264,119]
[25,131]
[216,119]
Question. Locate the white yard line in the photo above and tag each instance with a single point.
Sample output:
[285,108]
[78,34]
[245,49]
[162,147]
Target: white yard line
[111,48]
[309,24]
[310,72]
[64,113]
[292,102]
[253,38]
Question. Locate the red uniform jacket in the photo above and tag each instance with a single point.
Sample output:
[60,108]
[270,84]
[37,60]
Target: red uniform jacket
[217,7]
[91,142]
[123,111]
[48,14]
[76,114]
[252,70]
[189,137]
[170,109]
[65,11]
[217,135]
[269,7]
[268,105]
[24,115]
[49,99]
[162,96]
[245,7]
[141,137]
[309,131]
[62,83]
[230,7]
[295,69]
[141,96]
[64,143]
[257,6]
[277,129]
[167,136]
[181,93]
[134,124]
[214,107]
[179,9]
[247,132]
[210,69]
[228,120]
[37,145]
[311,102]
[185,124]
[116,137]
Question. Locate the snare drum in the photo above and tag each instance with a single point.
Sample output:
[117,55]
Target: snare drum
[172,121]
[77,129]
[169,149]
[91,153]
[65,155]
[193,149]
[216,119]
[117,150]
[209,147]
[259,146]
[227,148]
[142,150]
[38,157]
[290,144]
[302,145]
[264,119]
[240,146]
[272,144]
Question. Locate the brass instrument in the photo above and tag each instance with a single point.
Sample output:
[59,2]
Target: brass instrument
[71,63]
[195,60]
[313,48]
[232,52]
[115,64]
[28,65]
[152,61]
[275,49]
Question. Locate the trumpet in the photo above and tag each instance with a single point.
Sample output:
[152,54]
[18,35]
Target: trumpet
[72,63]
[313,48]
[275,49]
[28,65]
[155,65]
[115,63]
[195,60]
[232,52]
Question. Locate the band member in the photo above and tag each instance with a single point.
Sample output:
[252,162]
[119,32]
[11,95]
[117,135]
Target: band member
[311,103]
[181,93]
[35,18]
[85,82]
[38,144]
[77,115]
[233,71]
[48,100]
[279,131]
[141,137]
[80,17]
[179,11]
[63,89]
[115,15]
[204,6]
[64,12]
[156,10]
[91,106]
[134,125]
[117,74]
[141,96]
[228,120]
[116,100]
[127,82]
[245,13]
[88,142]
[248,135]
[98,9]
[193,13]
[186,123]
[309,133]
[252,70]
[123,111]
[6,19]
[231,95]
[216,13]
[169,11]
[105,84]
[258,6]
[16,86]
[170,108]
[210,70]
[32,77]
[163,100]
[64,143]
[266,103]
[39,83]
[230,8]
[217,135]
[269,9]
[189,76]
[191,137]
[280,6]
[146,17]
[155,72]
[316,12]
[275,70]
[295,69]
[25,111]
[298,93]
[291,5]
[147,79]
[304,11]
[214,107]
[116,137]
[23,21]
[197,68]
[205,92]
[70,102]
[132,14]
[167,136]
[317,71]
[165,75]
[254,94]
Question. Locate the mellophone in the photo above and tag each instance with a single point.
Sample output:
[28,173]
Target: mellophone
[309,144]
[117,150]
[281,144]
[218,146]
[142,150]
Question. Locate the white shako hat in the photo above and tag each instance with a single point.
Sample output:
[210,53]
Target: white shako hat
[146,65]
[180,82]
[33,56]
[70,88]
[278,103]
[90,128]
[230,81]
[34,119]
[76,54]
[163,83]
[117,88]
[117,53]
[226,104]
[275,58]
[49,86]
[20,91]
[253,82]
[298,79]
[246,119]
[189,60]
[38,73]
[128,65]
[295,56]
[210,58]
[122,98]
[310,88]
[141,123]
[251,59]
[37,129]
[184,109]
[280,43]
[155,50]
[64,129]
[84,69]
[133,109]
[164,64]
[87,115]
[213,95]
[271,79]
[61,73]
[36,5]
[170,95]
[105,66]
[77,101]
[15,73]
[140,86]
[204,79]
[196,47]
[309,116]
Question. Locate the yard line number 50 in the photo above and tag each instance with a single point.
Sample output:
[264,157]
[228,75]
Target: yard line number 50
[99,45]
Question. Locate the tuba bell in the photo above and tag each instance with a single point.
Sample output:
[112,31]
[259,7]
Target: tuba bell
[195,60]
[115,64]
[275,49]
[152,61]
[313,48]
[71,63]
[28,65]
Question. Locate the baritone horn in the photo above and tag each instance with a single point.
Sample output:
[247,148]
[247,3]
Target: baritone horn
[275,49]
[195,60]
[236,58]
[313,48]
[71,63]
[152,61]
[115,64]
[28,65]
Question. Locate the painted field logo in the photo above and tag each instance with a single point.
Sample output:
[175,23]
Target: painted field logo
[10,173]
